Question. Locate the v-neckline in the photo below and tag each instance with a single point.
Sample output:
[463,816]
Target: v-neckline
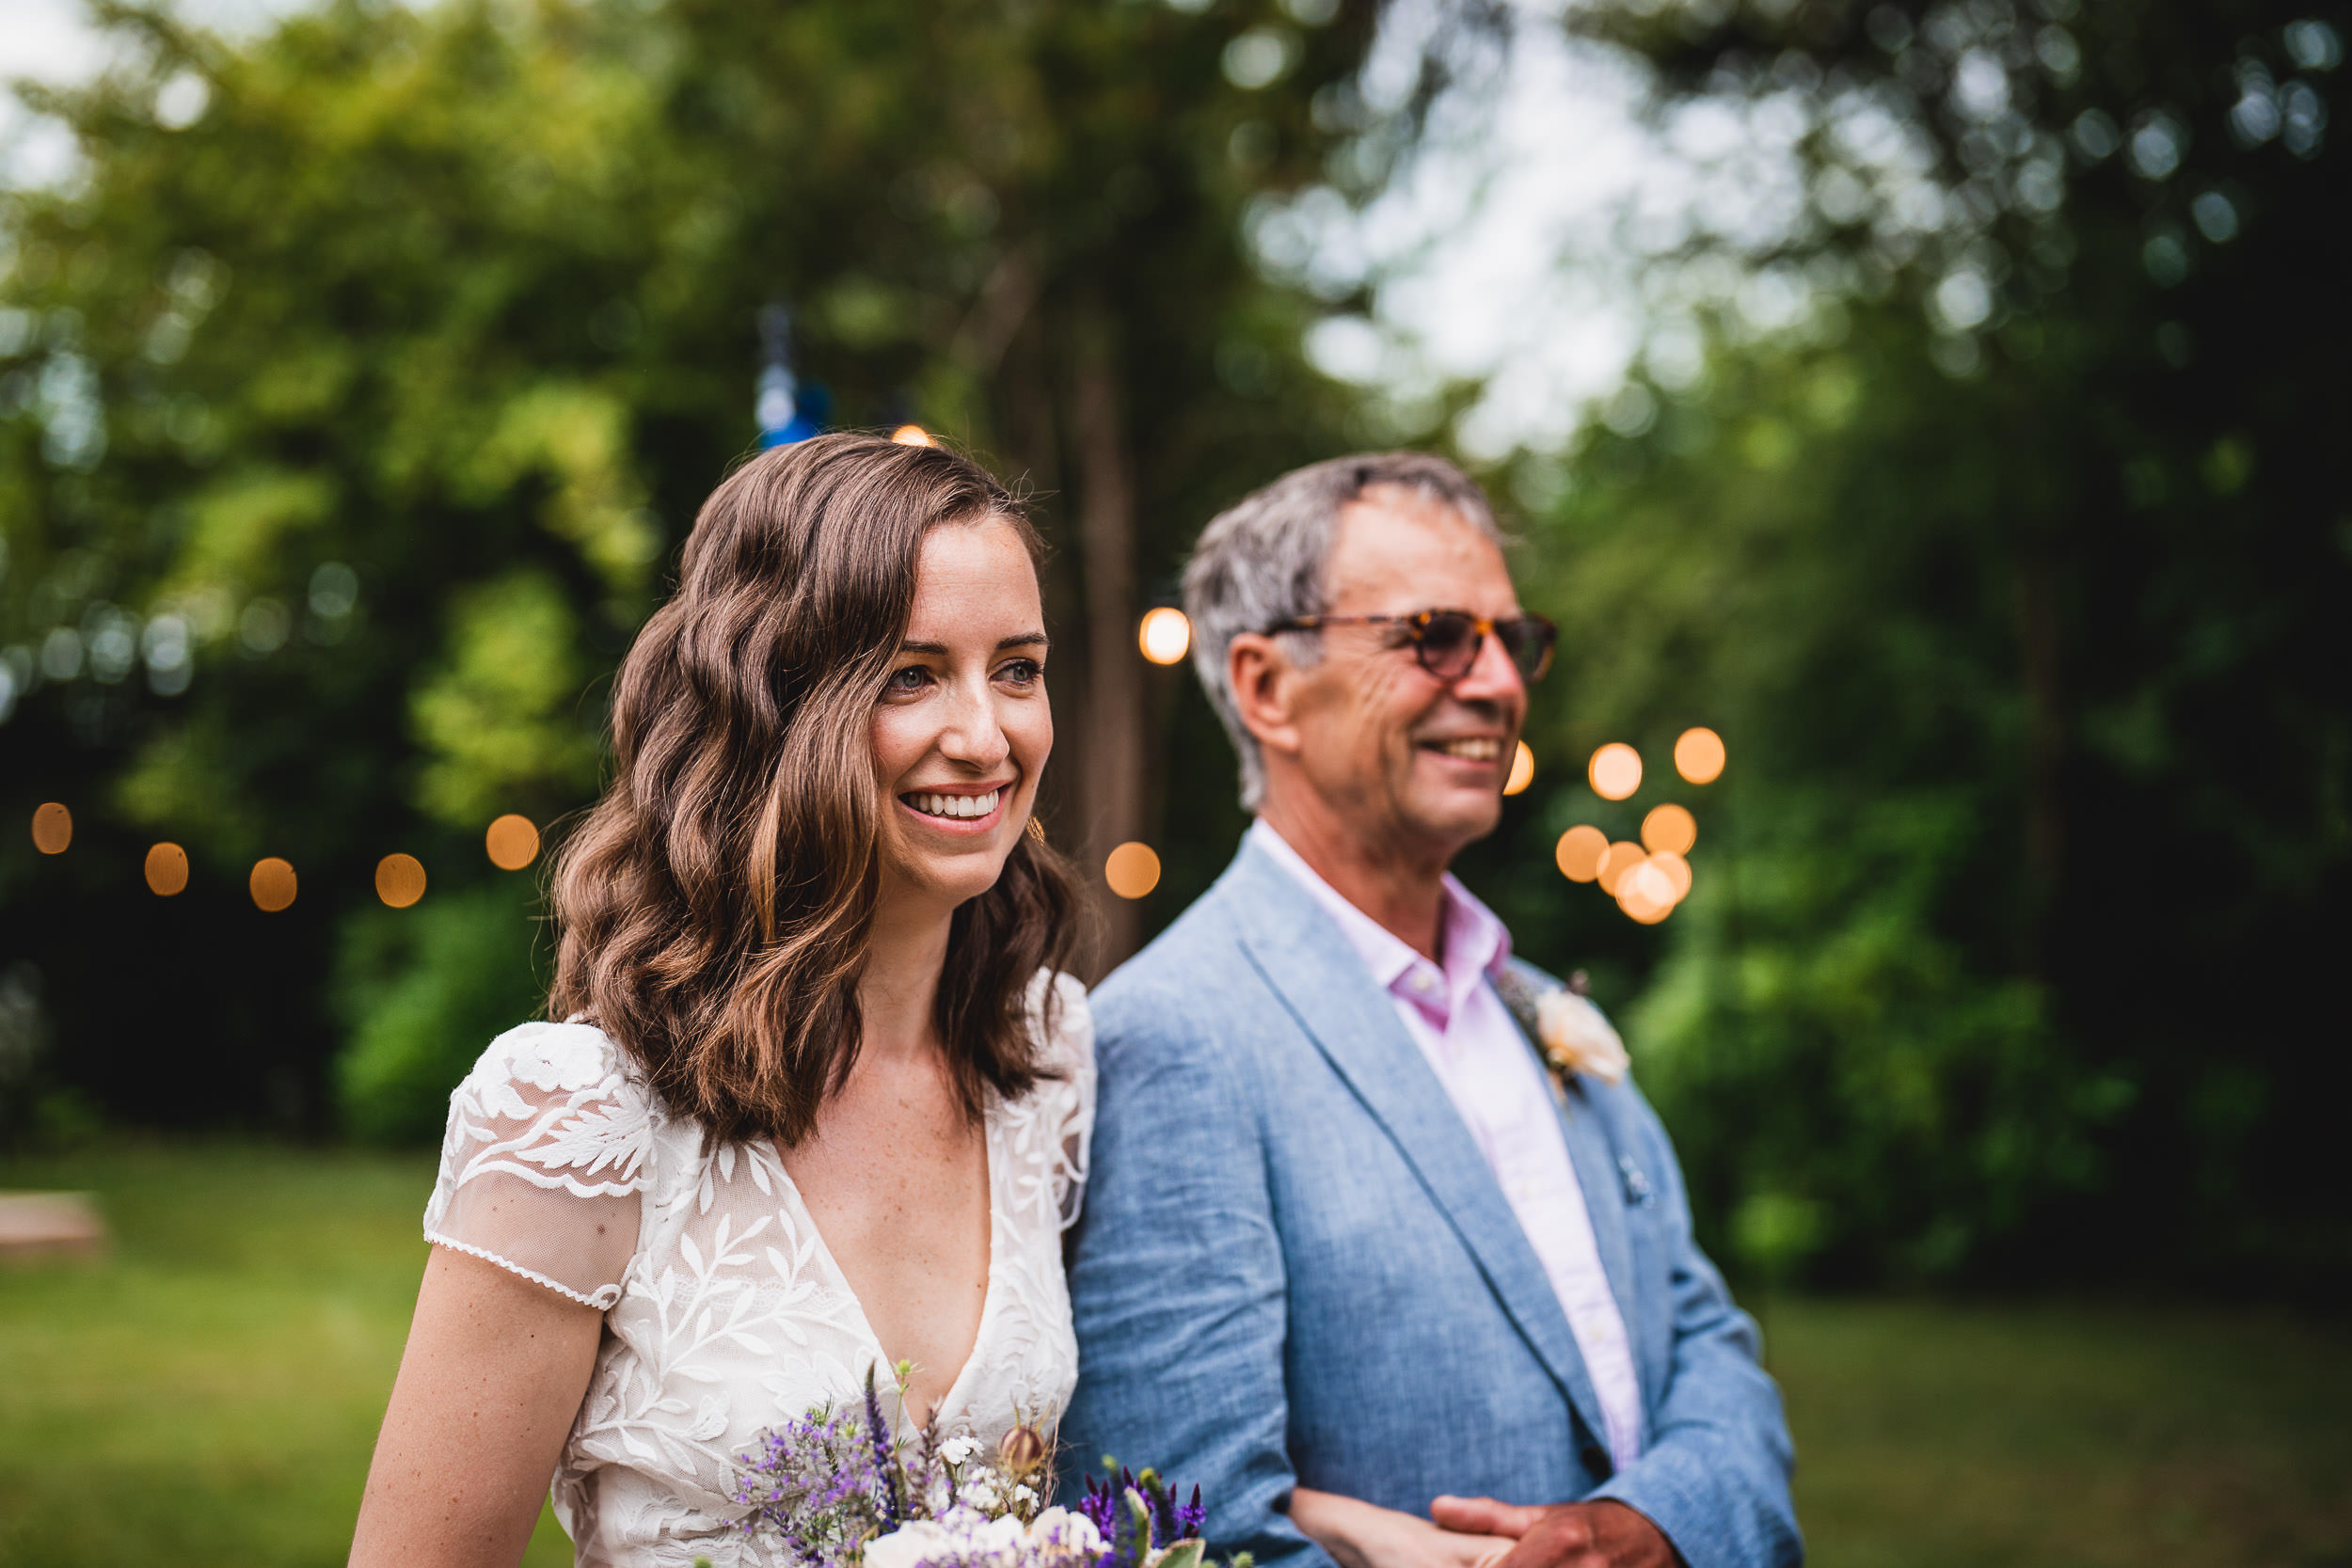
[953,1400]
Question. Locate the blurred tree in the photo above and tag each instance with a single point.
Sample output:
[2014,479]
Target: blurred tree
[2019,578]
[354,390]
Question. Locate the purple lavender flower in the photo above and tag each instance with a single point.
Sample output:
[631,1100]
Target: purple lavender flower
[813,1482]
[885,1466]
[1104,1506]
[1190,1517]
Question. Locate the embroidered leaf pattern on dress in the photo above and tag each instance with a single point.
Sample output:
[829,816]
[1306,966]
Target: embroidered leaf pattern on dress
[731,1314]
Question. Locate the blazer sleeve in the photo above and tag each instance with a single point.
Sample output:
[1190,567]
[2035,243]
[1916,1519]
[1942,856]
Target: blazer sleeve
[1176,1280]
[1715,1476]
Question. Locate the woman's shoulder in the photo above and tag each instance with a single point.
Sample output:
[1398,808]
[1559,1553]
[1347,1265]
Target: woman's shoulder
[1062,1024]
[550,1142]
[542,1063]
[554,1103]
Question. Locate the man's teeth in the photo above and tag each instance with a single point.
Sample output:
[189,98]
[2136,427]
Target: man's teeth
[1472,748]
[954,805]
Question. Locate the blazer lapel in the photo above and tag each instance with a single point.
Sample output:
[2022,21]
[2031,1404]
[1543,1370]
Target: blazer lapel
[1603,1183]
[1323,982]
[1597,1174]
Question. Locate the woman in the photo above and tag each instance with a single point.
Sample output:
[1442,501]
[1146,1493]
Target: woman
[821,1103]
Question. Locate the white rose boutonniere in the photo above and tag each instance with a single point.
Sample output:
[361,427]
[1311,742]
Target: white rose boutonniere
[1577,1037]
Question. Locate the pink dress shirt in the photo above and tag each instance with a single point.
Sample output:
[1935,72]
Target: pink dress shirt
[1479,1054]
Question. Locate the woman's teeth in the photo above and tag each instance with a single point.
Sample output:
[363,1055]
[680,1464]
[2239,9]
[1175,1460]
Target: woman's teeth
[1472,748]
[953,805]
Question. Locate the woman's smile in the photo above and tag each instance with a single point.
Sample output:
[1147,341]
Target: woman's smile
[961,808]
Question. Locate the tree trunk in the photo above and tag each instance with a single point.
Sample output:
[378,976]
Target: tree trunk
[2045,749]
[1110,798]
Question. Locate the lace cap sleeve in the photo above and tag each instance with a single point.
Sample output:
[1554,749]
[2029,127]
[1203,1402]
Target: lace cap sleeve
[543,1159]
[1064,1025]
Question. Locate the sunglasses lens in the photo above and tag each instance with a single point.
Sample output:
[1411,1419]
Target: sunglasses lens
[1530,643]
[1449,643]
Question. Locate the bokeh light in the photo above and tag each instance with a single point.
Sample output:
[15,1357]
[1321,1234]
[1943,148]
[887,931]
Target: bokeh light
[1164,636]
[912,436]
[1620,858]
[1132,870]
[513,842]
[1699,755]
[53,828]
[400,879]
[1645,892]
[1522,771]
[1676,870]
[1580,851]
[1617,770]
[167,870]
[272,884]
[1670,827]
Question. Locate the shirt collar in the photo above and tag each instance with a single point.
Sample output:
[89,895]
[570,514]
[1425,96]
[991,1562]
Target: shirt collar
[1477,944]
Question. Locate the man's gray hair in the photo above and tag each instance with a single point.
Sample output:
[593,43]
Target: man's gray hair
[1261,562]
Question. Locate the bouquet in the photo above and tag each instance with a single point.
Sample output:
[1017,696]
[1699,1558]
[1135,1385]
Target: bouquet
[837,1489]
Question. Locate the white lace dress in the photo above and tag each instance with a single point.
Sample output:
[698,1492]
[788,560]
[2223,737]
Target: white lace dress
[724,1313]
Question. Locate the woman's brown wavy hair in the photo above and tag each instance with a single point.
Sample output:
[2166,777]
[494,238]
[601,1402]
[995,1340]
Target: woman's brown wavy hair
[713,907]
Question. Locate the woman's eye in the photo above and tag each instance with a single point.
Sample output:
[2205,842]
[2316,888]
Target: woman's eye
[912,678]
[1021,671]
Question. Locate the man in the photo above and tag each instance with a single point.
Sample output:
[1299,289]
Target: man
[1353,1259]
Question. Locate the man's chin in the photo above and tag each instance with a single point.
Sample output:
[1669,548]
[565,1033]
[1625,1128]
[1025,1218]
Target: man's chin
[1455,819]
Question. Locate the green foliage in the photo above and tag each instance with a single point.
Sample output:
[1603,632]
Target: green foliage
[2014,574]
[1910,1022]
[345,430]
[419,994]
[499,723]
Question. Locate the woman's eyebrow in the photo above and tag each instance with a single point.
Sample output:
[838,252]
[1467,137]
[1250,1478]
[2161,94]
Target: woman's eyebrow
[1020,640]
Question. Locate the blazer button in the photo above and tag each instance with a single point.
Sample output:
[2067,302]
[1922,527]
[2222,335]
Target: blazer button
[1596,1460]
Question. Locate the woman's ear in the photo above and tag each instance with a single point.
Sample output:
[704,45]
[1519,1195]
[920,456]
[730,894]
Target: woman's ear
[1265,685]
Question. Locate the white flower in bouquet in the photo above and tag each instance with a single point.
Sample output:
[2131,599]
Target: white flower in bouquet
[966,1538]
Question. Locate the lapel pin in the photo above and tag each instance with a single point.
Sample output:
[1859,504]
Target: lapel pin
[1637,1188]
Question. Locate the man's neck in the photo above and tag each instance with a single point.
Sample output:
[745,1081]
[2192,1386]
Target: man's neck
[1405,894]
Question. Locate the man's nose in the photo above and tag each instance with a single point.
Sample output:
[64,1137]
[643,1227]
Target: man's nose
[1492,677]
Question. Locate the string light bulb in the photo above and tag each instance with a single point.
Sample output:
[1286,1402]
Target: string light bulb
[167,870]
[1615,772]
[1615,862]
[1522,769]
[513,843]
[400,881]
[53,828]
[1699,755]
[1670,827]
[1579,852]
[1132,870]
[1164,636]
[272,884]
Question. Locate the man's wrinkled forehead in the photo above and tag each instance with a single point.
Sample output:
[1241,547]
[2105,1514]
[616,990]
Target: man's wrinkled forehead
[1392,537]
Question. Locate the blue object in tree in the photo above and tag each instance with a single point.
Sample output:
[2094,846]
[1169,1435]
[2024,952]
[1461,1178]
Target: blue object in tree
[786,410]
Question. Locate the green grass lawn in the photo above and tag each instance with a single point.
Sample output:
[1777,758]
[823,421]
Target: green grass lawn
[208,1394]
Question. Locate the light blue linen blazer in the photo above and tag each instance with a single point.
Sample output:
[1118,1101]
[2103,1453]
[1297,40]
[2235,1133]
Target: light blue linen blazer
[1295,1267]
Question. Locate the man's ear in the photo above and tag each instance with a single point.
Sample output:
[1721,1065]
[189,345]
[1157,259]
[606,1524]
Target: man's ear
[1265,687]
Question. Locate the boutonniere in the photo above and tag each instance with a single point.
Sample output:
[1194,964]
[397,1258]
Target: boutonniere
[1577,1037]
